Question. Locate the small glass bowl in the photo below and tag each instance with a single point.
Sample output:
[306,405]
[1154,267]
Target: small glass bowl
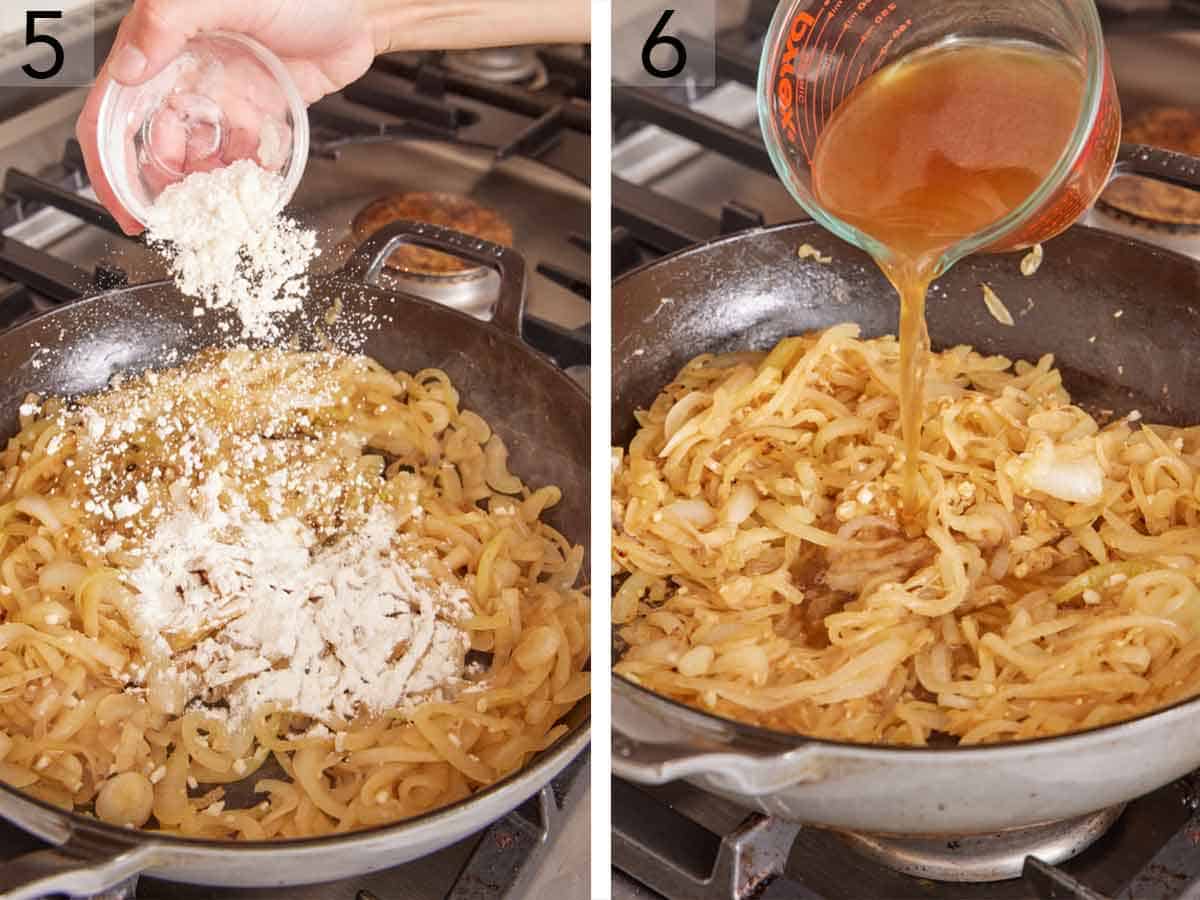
[224,98]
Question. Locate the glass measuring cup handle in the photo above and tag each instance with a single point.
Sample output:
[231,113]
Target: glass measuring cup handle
[1168,166]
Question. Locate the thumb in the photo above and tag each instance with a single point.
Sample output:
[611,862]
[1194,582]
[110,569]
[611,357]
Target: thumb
[156,31]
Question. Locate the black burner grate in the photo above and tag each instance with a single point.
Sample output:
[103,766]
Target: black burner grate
[686,845]
[1123,16]
[403,97]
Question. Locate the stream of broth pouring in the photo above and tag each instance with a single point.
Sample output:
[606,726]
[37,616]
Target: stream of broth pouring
[932,149]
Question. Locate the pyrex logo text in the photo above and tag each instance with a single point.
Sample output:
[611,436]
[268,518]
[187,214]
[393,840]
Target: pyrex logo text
[784,90]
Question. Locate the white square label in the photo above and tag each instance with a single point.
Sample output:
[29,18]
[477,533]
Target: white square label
[47,43]
[664,45]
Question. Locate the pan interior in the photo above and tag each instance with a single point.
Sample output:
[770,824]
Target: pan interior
[1120,317]
[541,414]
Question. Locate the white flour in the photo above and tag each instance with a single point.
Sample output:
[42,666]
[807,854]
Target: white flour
[228,248]
[245,612]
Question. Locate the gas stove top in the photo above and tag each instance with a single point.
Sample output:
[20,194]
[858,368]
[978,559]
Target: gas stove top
[508,130]
[411,124]
[690,845]
[689,166]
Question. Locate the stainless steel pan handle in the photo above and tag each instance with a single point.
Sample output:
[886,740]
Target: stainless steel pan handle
[84,865]
[737,772]
[368,260]
[1178,169]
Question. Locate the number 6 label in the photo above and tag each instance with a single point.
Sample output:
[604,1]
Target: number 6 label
[657,39]
[44,45]
[664,46]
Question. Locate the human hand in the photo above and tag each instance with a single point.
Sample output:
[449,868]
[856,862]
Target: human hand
[325,44]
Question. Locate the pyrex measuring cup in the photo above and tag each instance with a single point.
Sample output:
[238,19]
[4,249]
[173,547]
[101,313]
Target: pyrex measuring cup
[224,98]
[818,51]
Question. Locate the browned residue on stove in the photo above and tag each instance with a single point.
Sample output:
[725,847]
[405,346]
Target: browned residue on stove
[448,210]
[1147,200]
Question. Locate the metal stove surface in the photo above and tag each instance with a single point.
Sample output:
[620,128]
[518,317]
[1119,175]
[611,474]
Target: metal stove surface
[1150,67]
[696,842]
[384,135]
[543,205]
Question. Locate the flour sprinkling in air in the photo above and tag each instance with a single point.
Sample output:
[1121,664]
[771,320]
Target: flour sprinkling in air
[229,248]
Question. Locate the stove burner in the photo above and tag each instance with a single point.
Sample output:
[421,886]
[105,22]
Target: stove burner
[750,856]
[985,857]
[427,273]
[1143,201]
[447,210]
[501,65]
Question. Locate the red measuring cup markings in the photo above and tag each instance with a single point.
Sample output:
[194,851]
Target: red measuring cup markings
[817,53]
[834,74]
[1087,177]
[788,80]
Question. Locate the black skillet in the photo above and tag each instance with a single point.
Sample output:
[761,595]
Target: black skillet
[541,414]
[1121,317]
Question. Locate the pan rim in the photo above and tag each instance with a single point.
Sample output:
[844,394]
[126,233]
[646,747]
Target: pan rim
[787,740]
[570,746]
[807,223]
[776,740]
[342,280]
[563,751]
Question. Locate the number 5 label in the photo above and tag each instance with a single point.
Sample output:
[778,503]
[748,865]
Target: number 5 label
[45,44]
[666,45]
[32,37]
